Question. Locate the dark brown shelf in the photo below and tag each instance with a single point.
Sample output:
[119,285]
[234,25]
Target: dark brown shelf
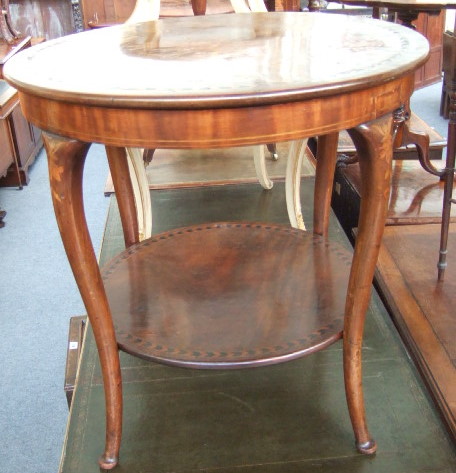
[228,295]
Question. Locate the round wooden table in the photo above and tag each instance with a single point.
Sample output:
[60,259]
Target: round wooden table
[226,295]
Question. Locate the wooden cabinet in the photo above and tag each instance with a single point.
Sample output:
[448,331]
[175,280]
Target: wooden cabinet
[105,11]
[431,26]
[8,100]
[20,141]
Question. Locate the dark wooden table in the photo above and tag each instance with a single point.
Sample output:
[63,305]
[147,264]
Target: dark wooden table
[407,10]
[223,295]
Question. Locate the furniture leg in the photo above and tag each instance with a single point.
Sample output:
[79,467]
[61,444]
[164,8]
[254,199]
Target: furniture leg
[260,167]
[199,7]
[448,176]
[145,10]
[66,163]
[403,136]
[123,187]
[138,159]
[324,178]
[293,183]
[272,148]
[373,143]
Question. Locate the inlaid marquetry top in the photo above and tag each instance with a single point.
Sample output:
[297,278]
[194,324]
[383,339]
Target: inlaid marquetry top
[218,60]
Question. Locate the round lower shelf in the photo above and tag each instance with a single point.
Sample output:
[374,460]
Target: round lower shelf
[228,295]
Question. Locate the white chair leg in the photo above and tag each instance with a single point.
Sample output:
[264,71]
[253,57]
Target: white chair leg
[145,10]
[141,191]
[293,183]
[257,5]
[240,6]
[259,158]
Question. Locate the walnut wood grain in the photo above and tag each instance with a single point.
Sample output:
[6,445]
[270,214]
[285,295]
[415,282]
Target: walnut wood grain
[66,162]
[257,295]
[374,145]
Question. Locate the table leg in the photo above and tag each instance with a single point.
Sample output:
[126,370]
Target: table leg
[373,143]
[199,7]
[448,177]
[324,178]
[272,148]
[122,181]
[66,163]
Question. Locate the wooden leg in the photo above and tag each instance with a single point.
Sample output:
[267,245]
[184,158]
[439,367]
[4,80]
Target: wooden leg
[324,178]
[448,177]
[66,163]
[199,7]
[373,143]
[120,172]
[260,167]
[293,183]
[272,148]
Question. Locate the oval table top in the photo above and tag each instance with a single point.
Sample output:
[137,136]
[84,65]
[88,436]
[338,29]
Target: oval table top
[218,60]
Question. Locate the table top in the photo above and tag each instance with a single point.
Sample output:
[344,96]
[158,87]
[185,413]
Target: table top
[218,60]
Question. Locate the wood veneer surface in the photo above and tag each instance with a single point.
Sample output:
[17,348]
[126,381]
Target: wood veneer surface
[232,60]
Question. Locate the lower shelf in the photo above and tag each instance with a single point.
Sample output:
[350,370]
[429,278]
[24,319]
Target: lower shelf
[228,295]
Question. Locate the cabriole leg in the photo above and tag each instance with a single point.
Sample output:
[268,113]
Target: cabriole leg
[373,143]
[66,163]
